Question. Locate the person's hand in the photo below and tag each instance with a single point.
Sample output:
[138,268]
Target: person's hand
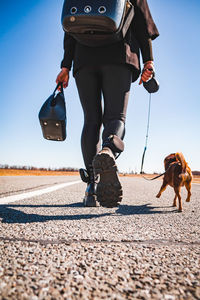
[63,77]
[147,72]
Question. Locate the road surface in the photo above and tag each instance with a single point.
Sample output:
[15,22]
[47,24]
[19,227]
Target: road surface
[51,247]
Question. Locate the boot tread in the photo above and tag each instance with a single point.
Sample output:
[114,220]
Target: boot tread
[109,189]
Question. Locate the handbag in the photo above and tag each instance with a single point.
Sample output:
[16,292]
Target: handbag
[100,23]
[52,116]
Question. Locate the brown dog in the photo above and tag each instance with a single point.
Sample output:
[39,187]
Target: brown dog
[178,174]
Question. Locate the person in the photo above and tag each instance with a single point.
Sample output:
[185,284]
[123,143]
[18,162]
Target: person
[109,71]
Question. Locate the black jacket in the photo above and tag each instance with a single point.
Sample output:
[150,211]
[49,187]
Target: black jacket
[138,37]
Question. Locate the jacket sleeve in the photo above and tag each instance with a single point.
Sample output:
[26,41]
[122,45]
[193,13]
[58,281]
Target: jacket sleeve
[69,48]
[144,28]
[143,22]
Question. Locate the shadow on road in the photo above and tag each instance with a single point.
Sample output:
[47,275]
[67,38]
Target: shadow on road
[144,209]
[10,214]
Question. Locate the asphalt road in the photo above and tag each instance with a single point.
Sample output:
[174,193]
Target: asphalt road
[51,247]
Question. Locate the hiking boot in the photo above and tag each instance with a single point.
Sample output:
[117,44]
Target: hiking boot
[109,189]
[89,199]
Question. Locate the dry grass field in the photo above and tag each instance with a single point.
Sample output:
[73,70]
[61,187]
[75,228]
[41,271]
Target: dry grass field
[196,178]
[14,172]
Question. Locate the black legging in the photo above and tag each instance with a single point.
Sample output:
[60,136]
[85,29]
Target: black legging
[113,81]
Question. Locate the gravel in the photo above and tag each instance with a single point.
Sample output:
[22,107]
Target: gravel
[98,271]
[53,248]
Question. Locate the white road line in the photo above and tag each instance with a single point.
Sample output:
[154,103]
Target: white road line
[9,199]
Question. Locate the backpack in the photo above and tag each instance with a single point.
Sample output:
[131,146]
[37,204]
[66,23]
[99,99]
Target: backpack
[100,23]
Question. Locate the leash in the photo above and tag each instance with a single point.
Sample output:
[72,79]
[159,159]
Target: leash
[153,177]
[147,134]
[146,142]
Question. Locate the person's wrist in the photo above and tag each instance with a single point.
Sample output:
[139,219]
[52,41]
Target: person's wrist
[65,69]
[148,62]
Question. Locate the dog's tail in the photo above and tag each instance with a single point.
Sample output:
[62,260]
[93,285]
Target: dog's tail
[181,159]
[184,165]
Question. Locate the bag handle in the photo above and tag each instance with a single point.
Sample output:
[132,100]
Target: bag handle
[53,101]
[60,84]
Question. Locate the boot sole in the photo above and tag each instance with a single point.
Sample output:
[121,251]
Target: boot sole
[109,189]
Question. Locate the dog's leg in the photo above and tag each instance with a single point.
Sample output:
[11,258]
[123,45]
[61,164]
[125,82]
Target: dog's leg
[188,188]
[174,203]
[177,191]
[163,187]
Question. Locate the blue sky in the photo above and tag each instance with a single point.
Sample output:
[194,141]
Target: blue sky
[31,39]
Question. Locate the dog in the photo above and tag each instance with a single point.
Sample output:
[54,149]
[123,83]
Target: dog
[177,174]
